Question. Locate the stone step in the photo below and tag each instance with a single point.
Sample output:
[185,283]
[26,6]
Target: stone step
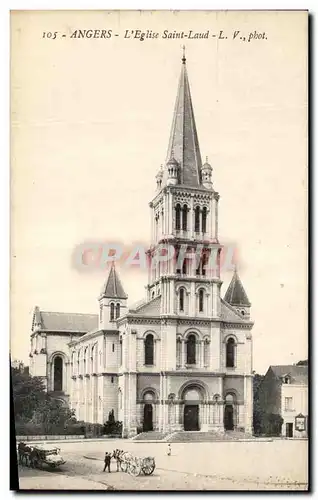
[150,436]
[198,436]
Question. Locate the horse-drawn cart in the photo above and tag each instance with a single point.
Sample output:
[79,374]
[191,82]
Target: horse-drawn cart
[135,465]
[39,455]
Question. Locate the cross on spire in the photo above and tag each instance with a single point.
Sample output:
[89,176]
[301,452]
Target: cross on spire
[183,55]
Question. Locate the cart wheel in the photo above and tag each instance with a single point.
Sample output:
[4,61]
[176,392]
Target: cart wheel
[148,468]
[134,468]
[123,466]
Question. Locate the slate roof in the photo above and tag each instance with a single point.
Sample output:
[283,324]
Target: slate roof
[235,294]
[297,374]
[184,143]
[65,322]
[113,287]
[151,308]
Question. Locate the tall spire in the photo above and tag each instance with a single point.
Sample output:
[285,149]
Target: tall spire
[183,143]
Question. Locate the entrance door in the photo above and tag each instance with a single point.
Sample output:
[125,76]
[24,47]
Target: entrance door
[191,418]
[228,418]
[148,424]
[289,430]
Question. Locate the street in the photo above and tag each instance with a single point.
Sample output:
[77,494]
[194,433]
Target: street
[280,464]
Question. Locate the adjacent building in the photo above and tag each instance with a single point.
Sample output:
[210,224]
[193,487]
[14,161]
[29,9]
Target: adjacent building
[182,358]
[284,392]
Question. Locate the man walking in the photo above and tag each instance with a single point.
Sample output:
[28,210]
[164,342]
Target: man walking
[107,460]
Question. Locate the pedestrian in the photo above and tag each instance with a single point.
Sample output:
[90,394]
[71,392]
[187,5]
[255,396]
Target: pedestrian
[169,450]
[107,460]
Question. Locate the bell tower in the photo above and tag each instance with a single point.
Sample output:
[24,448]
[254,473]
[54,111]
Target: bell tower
[185,250]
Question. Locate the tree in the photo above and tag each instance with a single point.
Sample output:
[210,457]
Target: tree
[53,415]
[257,411]
[302,363]
[112,426]
[28,393]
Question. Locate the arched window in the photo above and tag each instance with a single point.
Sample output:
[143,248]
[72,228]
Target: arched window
[120,352]
[149,349]
[201,300]
[204,214]
[197,220]
[181,299]
[191,345]
[112,312]
[58,373]
[78,362]
[153,295]
[230,353]
[229,399]
[178,217]
[117,310]
[185,217]
[101,312]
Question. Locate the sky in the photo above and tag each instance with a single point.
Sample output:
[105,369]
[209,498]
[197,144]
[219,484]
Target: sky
[90,124]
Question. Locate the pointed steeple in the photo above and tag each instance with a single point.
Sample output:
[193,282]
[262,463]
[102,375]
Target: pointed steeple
[183,143]
[37,320]
[113,289]
[235,294]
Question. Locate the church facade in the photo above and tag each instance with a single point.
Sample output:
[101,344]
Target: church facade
[181,359]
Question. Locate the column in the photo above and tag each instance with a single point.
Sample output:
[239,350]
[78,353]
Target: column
[221,415]
[212,215]
[217,196]
[176,408]
[161,404]
[165,211]
[131,395]
[170,214]
[152,223]
[172,297]
[157,352]
[248,403]
[215,347]
[201,354]
[183,349]
[191,218]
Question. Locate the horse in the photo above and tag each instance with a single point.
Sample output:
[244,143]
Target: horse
[121,457]
[24,453]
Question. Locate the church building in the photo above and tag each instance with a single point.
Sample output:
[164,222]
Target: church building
[181,359]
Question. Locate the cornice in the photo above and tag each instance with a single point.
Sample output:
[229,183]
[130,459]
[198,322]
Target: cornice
[194,373]
[238,325]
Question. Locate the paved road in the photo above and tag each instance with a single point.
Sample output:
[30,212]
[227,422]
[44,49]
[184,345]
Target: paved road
[193,466]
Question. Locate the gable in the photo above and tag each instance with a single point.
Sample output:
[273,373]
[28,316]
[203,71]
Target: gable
[229,314]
